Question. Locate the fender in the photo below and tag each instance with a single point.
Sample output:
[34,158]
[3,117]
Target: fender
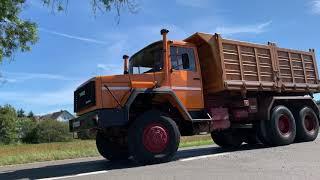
[267,104]
[185,114]
[105,118]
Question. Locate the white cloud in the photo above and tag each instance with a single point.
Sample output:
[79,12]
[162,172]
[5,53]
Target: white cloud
[315,7]
[110,69]
[107,67]
[3,81]
[80,38]
[194,3]
[24,76]
[254,29]
[44,99]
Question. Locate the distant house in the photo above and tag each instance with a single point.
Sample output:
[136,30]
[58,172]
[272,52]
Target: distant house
[61,116]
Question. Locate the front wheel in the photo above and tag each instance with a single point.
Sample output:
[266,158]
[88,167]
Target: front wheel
[111,150]
[153,138]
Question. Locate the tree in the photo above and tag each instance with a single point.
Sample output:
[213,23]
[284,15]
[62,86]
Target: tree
[30,115]
[17,34]
[102,5]
[8,130]
[20,113]
[27,130]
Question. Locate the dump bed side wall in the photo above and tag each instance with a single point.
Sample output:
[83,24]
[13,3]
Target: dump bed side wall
[247,66]
[296,68]
[252,67]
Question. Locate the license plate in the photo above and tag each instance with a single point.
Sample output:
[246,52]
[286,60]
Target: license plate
[76,124]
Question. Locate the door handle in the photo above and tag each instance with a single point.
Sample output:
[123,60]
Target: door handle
[196,79]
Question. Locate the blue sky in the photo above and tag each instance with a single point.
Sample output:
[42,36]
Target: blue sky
[76,45]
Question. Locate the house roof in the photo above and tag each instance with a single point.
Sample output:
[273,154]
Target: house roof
[55,115]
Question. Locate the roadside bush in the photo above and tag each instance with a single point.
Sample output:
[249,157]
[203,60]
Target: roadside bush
[28,132]
[8,130]
[16,127]
[87,134]
[52,131]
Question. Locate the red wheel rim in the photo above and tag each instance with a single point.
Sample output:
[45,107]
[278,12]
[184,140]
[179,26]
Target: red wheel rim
[309,123]
[284,124]
[155,137]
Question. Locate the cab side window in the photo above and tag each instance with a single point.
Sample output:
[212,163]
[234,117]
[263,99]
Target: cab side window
[182,58]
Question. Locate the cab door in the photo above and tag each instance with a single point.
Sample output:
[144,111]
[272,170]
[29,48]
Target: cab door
[186,79]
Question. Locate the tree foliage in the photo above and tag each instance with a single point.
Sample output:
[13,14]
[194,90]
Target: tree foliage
[27,130]
[8,130]
[20,113]
[102,5]
[17,34]
[14,129]
[30,115]
[53,131]
[87,134]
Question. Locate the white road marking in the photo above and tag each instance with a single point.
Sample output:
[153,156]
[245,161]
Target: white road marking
[76,175]
[101,172]
[204,157]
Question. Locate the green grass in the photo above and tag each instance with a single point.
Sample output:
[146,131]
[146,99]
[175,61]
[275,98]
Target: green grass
[200,140]
[27,153]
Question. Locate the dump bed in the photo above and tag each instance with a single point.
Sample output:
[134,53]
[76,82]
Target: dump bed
[240,66]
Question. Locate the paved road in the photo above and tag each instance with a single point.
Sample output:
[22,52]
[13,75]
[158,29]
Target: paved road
[296,161]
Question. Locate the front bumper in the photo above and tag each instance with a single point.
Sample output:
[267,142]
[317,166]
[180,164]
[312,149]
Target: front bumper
[99,119]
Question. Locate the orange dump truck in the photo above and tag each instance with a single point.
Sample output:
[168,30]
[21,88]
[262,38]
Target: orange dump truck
[237,91]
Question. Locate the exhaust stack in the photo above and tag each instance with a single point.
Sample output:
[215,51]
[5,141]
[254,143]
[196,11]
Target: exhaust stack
[166,64]
[125,64]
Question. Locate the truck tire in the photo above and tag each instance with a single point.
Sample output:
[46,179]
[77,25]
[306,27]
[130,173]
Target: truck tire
[263,137]
[252,137]
[227,139]
[281,127]
[110,150]
[307,125]
[153,138]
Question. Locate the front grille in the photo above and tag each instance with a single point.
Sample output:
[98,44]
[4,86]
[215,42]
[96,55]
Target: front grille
[85,96]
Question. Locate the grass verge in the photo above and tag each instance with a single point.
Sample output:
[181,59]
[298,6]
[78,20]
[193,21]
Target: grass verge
[27,153]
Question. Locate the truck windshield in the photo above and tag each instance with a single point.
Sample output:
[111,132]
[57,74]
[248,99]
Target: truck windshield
[147,60]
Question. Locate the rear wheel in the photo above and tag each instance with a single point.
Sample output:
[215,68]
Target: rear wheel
[153,138]
[281,126]
[307,125]
[111,150]
[227,139]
